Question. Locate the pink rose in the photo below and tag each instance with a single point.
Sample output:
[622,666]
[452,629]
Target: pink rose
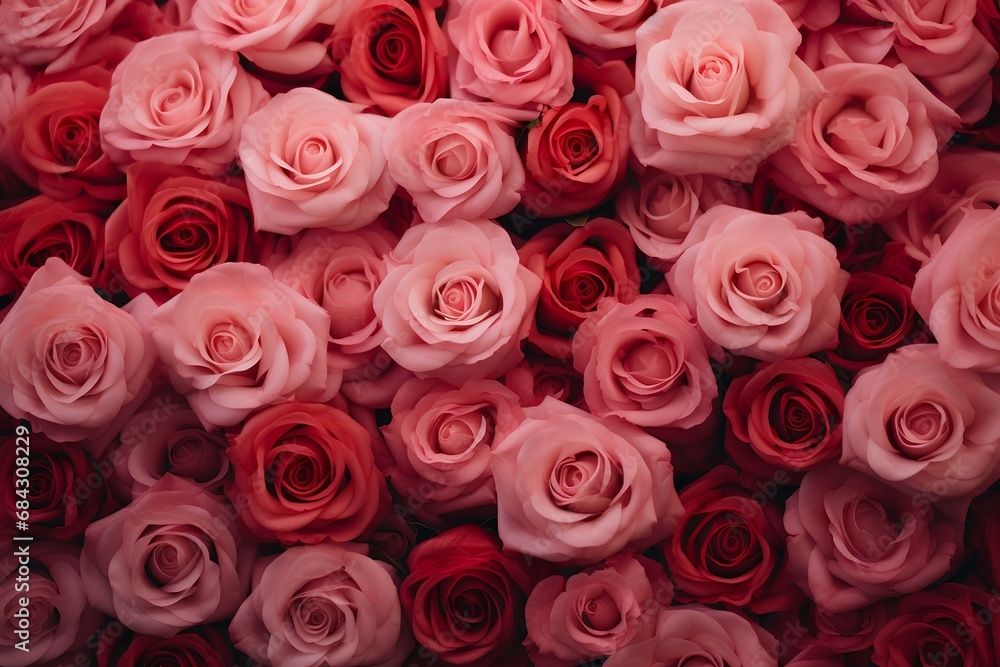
[764,286]
[596,612]
[73,363]
[441,437]
[171,560]
[312,160]
[841,165]
[852,540]
[38,33]
[178,101]
[646,362]
[509,51]
[236,340]
[323,604]
[456,303]
[457,160]
[603,26]
[920,425]
[15,82]
[572,487]
[716,83]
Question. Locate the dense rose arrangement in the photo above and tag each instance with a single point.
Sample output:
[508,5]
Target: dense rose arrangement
[555,333]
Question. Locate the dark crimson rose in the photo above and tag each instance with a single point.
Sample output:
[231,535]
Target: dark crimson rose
[850,633]
[202,646]
[785,415]
[729,546]
[540,375]
[464,595]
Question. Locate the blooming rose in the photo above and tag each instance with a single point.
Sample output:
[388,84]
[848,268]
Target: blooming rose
[204,646]
[922,425]
[455,159]
[853,541]
[850,632]
[72,362]
[715,84]
[171,560]
[312,160]
[604,26]
[596,612]
[462,595]
[869,146]
[765,286]
[692,633]
[235,340]
[391,53]
[176,100]
[43,33]
[305,473]
[323,604]
[785,415]
[509,51]
[456,303]
[572,487]
[539,376]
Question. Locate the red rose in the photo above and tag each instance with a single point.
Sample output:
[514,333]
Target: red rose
[463,596]
[203,646]
[540,375]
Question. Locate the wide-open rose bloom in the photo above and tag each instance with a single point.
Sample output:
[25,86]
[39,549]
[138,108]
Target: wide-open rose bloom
[44,33]
[323,604]
[572,487]
[169,561]
[764,286]
[853,540]
[176,100]
[235,340]
[456,303]
[716,86]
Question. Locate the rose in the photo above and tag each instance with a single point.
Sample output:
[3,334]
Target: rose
[816,655]
[539,376]
[853,540]
[312,160]
[785,415]
[850,632]
[815,16]
[576,156]
[461,596]
[839,162]
[15,83]
[716,83]
[578,267]
[729,547]
[39,34]
[174,224]
[921,425]
[572,487]
[203,646]
[73,363]
[305,473]
[171,560]
[440,439]
[603,26]
[235,340]
[645,362]
[392,54]
[456,303]
[596,612]
[457,160]
[691,633]
[764,286]
[511,52]
[322,604]
[176,100]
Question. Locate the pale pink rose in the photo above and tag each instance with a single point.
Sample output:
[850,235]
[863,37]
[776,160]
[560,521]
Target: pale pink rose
[596,612]
[603,25]
[921,425]
[455,159]
[764,286]
[73,364]
[323,604]
[236,340]
[868,147]
[285,36]
[646,362]
[171,560]
[312,160]
[509,51]
[441,437]
[37,33]
[957,293]
[852,540]
[692,634]
[717,87]
[575,488]
[456,303]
